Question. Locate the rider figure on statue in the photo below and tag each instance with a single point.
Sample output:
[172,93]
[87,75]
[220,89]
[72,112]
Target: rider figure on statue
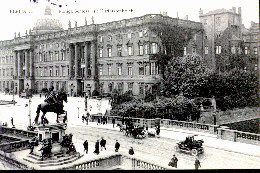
[51,98]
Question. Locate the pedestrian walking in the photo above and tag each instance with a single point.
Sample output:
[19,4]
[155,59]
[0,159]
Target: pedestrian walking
[85,144]
[146,126]
[158,130]
[173,161]
[131,151]
[117,146]
[12,121]
[86,120]
[98,121]
[103,143]
[83,118]
[113,122]
[40,95]
[197,164]
[103,120]
[106,119]
[123,120]
[97,147]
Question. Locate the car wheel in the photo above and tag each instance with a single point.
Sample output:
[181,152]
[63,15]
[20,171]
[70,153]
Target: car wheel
[194,152]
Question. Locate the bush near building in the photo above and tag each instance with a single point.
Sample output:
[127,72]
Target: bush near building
[178,108]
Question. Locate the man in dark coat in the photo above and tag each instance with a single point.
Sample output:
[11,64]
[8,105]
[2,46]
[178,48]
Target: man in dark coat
[173,161]
[158,130]
[113,122]
[103,143]
[197,164]
[117,146]
[131,151]
[103,120]
[97,147]
[85,144]
[98,121]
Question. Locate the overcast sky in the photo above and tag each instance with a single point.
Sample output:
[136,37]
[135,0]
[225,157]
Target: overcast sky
[11,22]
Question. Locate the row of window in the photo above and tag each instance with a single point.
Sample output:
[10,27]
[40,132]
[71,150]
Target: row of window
[51,46]
[145,69]
[50,56]
[120,87]
[52,71]
[6,72]
[142,50]
[6,59]
[5,84]
[39,85]
[234,50]
[119,37]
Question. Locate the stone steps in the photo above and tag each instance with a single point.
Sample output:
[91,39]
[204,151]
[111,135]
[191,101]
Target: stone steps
[61,163]
[57,160]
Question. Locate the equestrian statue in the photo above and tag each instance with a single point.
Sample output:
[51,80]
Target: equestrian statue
[53,103]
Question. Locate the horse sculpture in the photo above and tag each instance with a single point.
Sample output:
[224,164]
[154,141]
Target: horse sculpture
[47,107]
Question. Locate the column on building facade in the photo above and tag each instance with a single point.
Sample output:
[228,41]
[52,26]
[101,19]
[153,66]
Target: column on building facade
[19,63]
[70,60]
[86,59]
[16,63]
[26,63]
[93,58]
[31,62]
[76,60]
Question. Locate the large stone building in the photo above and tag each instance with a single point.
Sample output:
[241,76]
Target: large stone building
[228,44]
[115,55]
[251,38]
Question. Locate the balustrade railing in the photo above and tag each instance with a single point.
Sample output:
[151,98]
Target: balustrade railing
[100,163]
[144,165]
[208,128]
[114,161]
[14,146]
[17,132]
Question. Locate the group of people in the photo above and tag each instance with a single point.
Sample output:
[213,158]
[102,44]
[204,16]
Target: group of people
[101,145]
[102,120]
[174,162]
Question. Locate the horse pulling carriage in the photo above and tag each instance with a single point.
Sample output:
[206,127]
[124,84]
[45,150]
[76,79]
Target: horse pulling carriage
[131,130]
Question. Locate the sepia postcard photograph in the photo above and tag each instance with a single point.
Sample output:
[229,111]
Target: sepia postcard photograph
[129,85]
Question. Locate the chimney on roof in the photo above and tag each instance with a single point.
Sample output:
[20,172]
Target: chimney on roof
[252,23]
[234,9]
[239,10]
[200,12]
[186,17]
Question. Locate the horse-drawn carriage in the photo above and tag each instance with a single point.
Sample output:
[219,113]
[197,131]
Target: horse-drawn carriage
[130,130]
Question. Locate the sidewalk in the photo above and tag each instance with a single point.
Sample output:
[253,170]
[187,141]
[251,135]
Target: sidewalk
[210,140]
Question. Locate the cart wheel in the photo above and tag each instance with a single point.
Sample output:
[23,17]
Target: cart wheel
[194,152]
[177,148]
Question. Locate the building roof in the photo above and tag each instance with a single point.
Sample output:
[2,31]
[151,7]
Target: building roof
[47,23]
[218,11]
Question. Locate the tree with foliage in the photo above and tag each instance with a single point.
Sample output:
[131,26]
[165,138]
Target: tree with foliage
[182,74]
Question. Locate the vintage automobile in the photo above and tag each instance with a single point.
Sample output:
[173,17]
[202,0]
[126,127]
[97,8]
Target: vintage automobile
[194,147]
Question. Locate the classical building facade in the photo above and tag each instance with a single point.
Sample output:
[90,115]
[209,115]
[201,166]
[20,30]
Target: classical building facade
[115,55]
